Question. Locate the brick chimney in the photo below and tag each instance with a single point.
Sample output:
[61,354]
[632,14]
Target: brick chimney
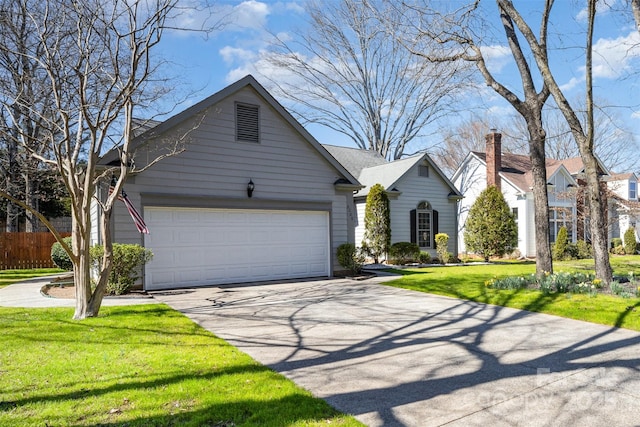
[494,157]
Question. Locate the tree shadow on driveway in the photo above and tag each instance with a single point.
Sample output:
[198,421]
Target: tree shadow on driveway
[396,357]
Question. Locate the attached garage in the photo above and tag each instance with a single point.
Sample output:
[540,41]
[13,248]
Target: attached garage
[199,246]
[249,196]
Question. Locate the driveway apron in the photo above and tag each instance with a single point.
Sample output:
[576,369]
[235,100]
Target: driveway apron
[394,357]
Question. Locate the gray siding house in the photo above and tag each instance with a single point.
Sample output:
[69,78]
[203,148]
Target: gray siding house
[206,228]
[423,202]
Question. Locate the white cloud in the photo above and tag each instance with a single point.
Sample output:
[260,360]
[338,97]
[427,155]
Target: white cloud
[497,57]
[499,111]
[232,55]
[573,82]
[250,14]
[290,6]
[259,65]
[635,115]
[602,7]
[193,16]
[613,57]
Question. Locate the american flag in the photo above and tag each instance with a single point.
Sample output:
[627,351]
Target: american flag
[135,215]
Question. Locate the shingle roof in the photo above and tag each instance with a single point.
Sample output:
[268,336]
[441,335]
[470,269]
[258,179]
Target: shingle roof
[517,168]
[355,159]
[574,165]
[620,176]
[386,174]
[371,168]
[140,126]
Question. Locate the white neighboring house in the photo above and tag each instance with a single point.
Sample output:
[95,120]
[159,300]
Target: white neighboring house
[511,173]
[422,201]
[624,208]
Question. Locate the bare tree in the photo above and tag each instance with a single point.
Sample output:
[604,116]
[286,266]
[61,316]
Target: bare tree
[616,145]
[469,135]
[635,8]
[95,57]
[457,35]
[22,83]
[349,74]
[584,134]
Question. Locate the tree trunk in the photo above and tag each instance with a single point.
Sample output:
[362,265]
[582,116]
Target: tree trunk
[107,261]
[81,275]
[12,209]
[544,262]
[82,264]
[598,222]
[30,188]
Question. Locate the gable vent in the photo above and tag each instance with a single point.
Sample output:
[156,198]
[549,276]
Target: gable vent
[247,123]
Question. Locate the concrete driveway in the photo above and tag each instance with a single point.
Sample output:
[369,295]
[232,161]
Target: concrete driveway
[393,357]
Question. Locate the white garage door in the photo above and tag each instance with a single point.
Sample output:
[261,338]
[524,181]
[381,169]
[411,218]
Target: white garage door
[193,247]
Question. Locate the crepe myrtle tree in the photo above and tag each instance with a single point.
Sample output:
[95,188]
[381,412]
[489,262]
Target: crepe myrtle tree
[95,60]
[377,223]
[490,229]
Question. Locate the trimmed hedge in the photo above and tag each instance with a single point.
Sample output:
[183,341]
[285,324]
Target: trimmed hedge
[404,252]
[127,260]
[60,257]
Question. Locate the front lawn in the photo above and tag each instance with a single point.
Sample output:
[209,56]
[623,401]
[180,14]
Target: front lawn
[144,365]
[9,277]
[468,282]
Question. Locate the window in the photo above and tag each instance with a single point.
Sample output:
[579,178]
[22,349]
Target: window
[424,229]
[424,225]
[514,211]
[247,123]
[632,190]
[423,170]
[558,218]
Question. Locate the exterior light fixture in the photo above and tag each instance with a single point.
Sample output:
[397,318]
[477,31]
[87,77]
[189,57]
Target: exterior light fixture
[250,187]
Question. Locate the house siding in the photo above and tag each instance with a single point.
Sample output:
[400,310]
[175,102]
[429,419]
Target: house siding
[359,230]
[516,199]
[214,166]
[530,244]
[471,181]
[95,221]
[415,189]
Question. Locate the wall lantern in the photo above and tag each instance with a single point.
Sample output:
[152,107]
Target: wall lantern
[250,187]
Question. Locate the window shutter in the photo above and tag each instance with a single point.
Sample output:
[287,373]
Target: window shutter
[412,221]
[434,227]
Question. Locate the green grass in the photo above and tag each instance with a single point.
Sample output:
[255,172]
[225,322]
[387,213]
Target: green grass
[9,277]
[468,282]
[144,365]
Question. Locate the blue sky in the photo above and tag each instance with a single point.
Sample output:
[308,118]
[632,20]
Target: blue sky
[206,65]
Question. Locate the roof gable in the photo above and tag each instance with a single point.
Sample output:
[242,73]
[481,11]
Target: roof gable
[560,169]
[371,168]
[194,110]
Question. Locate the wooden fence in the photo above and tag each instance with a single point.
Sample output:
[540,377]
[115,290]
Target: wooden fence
[26,250]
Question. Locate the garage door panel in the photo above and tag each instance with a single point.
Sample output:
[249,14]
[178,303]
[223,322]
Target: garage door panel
[216,246]
[316,269]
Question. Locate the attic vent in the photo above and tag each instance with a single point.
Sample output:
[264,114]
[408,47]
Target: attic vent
[247,123]
[423,170]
